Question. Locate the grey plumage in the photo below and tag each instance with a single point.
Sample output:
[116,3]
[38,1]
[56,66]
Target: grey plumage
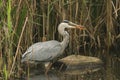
[47,51]
[43,51]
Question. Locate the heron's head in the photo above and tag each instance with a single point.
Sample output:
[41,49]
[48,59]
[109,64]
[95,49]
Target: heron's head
[69,24]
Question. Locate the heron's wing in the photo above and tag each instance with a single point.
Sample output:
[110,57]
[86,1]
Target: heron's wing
[31,48]
[43,51]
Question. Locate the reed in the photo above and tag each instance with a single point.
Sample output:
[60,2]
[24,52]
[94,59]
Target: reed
[100,17]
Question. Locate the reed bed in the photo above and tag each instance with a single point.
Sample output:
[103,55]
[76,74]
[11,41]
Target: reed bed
[24,22]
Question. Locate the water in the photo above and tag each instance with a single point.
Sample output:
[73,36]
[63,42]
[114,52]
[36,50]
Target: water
[109,71]
[61,76]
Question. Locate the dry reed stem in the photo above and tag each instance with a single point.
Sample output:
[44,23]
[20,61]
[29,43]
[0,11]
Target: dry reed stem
[18,46]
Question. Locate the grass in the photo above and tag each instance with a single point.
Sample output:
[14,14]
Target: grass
[23,23]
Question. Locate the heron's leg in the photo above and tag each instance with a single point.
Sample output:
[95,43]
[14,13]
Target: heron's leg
[48,67]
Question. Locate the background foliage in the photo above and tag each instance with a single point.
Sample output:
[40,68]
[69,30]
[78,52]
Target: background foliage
[24,22]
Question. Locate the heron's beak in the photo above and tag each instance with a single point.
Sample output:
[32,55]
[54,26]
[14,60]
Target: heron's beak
[73,25]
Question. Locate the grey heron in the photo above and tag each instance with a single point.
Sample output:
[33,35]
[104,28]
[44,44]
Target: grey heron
[49,50]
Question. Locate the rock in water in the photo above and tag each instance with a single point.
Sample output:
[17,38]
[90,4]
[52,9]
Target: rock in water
[78,63]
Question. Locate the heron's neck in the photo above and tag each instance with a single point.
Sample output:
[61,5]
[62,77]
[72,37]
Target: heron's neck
[65,35]
[65,41]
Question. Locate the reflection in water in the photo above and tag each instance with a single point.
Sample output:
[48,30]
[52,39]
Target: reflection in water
[50,76]
[54,75]
[111,72]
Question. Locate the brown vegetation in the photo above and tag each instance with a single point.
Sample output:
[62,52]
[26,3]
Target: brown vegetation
[24,22]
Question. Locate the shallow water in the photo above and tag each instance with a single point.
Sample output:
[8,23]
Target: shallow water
[61,76]
[109,71]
